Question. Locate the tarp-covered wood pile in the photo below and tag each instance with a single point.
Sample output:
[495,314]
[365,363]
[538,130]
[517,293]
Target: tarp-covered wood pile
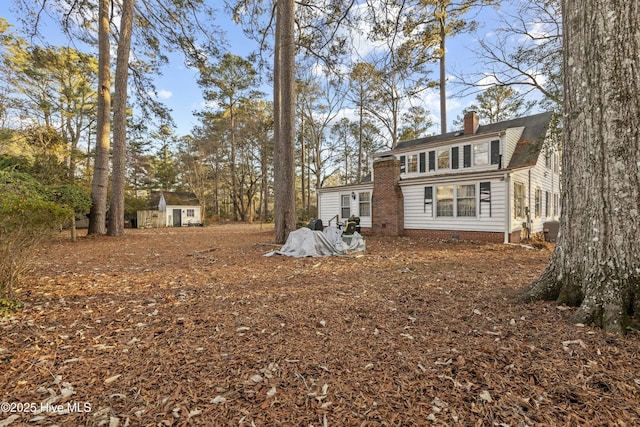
[305,242]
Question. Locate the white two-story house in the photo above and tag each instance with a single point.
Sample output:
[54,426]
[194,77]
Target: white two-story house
[496,182]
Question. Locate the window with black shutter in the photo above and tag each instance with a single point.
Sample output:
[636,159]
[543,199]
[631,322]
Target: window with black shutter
[428,200]
[423,162]
[495,153]
[454,157]
[432,160]
[403,164]
[485,195]
[466,156]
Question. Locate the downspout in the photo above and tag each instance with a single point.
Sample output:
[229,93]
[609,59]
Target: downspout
[529,221]
[507,208]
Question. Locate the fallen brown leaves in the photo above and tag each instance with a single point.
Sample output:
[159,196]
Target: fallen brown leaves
[195,326]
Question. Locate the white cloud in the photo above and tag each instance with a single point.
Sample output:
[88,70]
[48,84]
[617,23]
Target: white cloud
[487,81]
[164,94]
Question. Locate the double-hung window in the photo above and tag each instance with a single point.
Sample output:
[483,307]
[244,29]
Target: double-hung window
[364,203]
[443,159]
[547,204]
[345,206]
[518,200]
[466,200]
[481,154]
[456,201]
[412,163]
[444,201]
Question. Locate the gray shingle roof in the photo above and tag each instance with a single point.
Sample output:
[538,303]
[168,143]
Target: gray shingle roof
[173,198]
[528,147]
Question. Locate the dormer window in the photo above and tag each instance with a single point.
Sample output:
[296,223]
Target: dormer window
[412,163]
[481,154]
[443,159]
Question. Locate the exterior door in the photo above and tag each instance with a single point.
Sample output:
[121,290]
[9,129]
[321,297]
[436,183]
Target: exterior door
[177,217]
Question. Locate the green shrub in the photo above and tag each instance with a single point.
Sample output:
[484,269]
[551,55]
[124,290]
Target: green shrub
[27,220]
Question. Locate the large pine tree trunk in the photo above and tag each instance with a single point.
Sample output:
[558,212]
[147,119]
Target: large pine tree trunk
[99,184]
[284,99]
[116,204]
[596,262]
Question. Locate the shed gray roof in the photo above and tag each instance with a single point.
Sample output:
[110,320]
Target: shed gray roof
[172,198]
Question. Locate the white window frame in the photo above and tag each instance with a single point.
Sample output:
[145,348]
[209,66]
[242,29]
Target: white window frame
[364,201]
[412,163]
[450,194]
[519,202]
[344,207]
[547,204]
[442,155]
[481,158]
[459,198]
[443,195]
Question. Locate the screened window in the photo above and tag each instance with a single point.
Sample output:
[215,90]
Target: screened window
[466,200]
[518,199]
[481,154]
[444,200]
[365,203]
[345,206]
[443,159]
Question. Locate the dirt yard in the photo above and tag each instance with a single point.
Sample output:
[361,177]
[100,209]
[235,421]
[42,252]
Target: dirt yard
[195,326]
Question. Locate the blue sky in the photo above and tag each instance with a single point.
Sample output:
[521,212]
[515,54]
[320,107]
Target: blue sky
[178,90]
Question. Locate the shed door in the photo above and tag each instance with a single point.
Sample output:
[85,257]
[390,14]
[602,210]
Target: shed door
[177,217]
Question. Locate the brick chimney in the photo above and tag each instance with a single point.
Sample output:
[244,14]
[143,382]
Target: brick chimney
[471,123]
[387,204]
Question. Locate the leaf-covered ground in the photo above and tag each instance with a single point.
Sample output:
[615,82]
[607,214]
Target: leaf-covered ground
[195,326]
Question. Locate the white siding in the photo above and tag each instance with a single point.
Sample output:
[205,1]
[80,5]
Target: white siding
[329,204]
[185,220]
[415,216]
[460,145]
[542,178]
[538,177]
